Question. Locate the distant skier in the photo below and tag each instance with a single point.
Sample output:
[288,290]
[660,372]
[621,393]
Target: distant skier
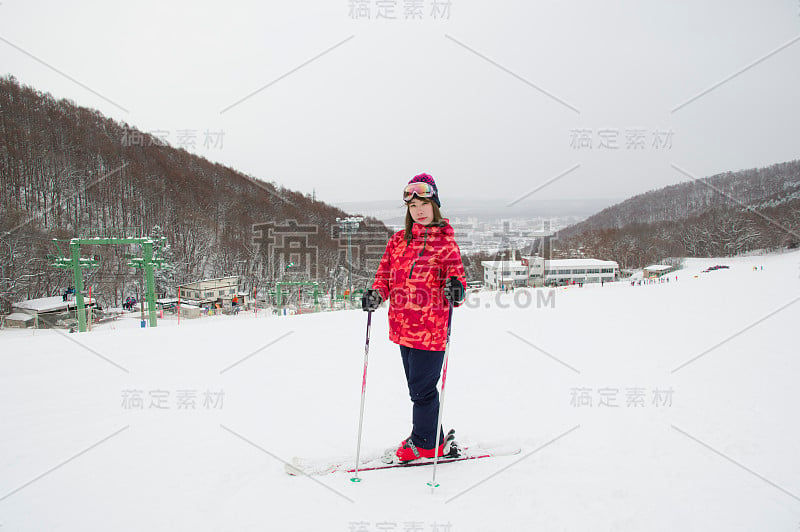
[421,273]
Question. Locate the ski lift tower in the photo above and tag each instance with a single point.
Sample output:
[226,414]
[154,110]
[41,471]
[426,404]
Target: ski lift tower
[147,262]
[349,227]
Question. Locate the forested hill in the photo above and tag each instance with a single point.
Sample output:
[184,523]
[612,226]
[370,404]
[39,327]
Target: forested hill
[68,170]
[746,188]
[725,214]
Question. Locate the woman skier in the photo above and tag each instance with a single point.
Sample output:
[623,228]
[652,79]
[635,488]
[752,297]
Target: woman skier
[421,274]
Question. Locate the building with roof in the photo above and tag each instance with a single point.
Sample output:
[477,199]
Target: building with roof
[210,291]
[46,311]
[18,319]
[537,271]
[578,271]
[500,274]
[657,270]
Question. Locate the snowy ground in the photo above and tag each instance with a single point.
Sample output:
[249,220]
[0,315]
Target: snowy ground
[704,435]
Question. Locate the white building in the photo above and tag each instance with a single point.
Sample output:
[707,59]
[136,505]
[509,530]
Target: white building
[504,273]
[536,271]
[205,291]
[568,271]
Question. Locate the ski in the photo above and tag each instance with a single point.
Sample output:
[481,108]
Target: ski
[298,466]
[469,454]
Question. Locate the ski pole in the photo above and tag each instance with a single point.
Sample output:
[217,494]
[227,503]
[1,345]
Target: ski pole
[433,483]
[363,396]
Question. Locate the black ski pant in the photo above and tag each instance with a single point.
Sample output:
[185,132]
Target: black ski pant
[422,374]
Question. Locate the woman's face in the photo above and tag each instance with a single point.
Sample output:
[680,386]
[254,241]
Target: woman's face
[421,211]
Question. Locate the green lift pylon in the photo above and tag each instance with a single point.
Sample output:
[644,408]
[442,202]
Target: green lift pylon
[313,284]
[147,262]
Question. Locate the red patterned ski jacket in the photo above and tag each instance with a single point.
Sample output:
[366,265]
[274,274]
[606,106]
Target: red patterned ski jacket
[411,276]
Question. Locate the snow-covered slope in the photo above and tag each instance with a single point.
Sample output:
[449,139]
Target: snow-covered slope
[704,436]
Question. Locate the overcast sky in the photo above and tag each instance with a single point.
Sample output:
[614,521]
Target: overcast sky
[498,100]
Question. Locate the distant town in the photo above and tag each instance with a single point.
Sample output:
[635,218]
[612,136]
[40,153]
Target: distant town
[490,226]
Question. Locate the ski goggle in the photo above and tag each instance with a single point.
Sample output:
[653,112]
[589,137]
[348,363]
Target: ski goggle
[420,189]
